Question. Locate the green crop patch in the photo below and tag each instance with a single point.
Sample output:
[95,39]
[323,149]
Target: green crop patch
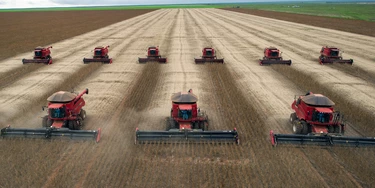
[357,11]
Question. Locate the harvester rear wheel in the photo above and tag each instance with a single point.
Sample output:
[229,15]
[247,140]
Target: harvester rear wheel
[44,121]
[297,127]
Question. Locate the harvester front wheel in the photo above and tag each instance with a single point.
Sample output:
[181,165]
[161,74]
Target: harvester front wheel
[297,127]
[337,129]
[168,124]
[305,128]
[293,117]
[76,124]
[44,121]
[331,129]
[82,114]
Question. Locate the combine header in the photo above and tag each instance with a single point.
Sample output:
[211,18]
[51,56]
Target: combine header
[41,55]
[186,124]
[65,119]
[152,56]
[209,56]
[315,122]
[332,55]
[273,56]
[100,55]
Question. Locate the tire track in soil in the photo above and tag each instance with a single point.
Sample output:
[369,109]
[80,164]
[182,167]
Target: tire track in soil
[139,97]
[14,75]
[113,118]
[218,78]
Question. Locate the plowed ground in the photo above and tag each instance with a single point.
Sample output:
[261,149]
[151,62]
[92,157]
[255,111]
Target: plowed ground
[240,93]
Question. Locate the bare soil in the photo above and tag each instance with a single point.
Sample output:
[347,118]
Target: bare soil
[240,93]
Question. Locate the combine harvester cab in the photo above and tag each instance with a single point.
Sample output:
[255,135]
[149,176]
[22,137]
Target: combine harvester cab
[208,56]
[315,122]
[100,56]
[187,124]
[332,55]
[65,119]
[153,55]
[273,56]
[41,55]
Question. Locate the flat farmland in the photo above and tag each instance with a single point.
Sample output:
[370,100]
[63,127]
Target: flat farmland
[240,93]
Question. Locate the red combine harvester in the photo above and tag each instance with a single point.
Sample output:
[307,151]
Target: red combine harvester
[100,55]
[273,56]
[65,119]
[41,55]
[316,122]
[332,55]
[209,56]
[186,124]
[152,56]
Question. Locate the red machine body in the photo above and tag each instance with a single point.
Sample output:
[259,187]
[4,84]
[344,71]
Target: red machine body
[314,113]
[185,113]
[272,55]
[187,124]
[65,110]
[153,55]
[332,55]
[100,55]
[208,55]
[41,55]
[65,119]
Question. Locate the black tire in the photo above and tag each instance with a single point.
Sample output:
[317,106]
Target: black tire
[76,124]
[49,122]
[71,125]
[293,116]
[297,127]
[331,129]
[305,127]
[342,129]
[44,121]
[205,126]
[82,114]
[337,129]
[168,124]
